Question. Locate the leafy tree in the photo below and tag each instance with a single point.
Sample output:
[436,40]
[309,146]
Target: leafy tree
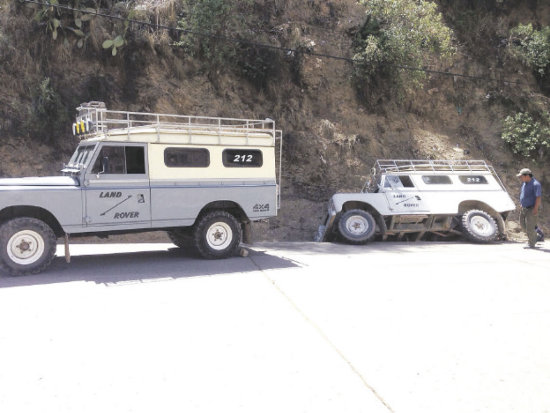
[397,36]
[221,33]
[210,23]
[531,47]
[526,136]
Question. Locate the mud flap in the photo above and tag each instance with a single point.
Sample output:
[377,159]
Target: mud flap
[324,231]
[501,227]
[247,233]
[320,234]
[67,252]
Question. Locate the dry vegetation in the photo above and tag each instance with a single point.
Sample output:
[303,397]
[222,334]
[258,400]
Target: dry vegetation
[332,134]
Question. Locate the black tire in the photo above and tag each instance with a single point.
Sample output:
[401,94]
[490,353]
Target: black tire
[357,226]
[27,246]
[217,235]
[479,226]
[182,237]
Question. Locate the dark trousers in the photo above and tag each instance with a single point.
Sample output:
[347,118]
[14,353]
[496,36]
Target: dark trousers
[528,222]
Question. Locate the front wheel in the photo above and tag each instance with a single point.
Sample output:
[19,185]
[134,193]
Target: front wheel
[479,226]
[217,235]
[27,246]
[357,226]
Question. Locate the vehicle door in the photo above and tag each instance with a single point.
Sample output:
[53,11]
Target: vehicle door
[116,187]
[402,196]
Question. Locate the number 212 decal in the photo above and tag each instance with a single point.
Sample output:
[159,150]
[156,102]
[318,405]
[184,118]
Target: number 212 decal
[242,159]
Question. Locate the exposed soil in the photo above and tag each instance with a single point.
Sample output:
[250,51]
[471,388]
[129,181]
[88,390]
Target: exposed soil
[331,136]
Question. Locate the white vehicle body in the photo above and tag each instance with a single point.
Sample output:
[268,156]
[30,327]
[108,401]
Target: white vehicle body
[420,196]
[201,179]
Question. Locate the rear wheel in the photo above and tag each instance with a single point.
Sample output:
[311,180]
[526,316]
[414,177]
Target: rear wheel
[357,226]
[217,235]
[27,246]
[479,226]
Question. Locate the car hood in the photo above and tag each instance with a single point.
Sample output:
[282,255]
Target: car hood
[40,181]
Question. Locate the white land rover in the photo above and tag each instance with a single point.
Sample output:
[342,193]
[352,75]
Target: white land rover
[201,179]
[442,197]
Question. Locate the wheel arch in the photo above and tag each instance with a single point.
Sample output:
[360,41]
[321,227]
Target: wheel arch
[468,205]
[230,206]
[29,211]
[360,205]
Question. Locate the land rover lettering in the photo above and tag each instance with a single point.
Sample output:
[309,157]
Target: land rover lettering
[126,215]
[110,194]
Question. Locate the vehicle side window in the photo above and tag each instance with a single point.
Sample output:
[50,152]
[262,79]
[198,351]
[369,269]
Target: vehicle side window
[437,180]
[120,160]
[135,159]
[472,180]
[110,161]
[397,182]
[186,157]
[242,158]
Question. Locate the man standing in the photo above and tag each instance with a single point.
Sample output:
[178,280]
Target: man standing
[530,200]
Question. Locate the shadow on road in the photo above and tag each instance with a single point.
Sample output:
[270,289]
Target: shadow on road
[129,267]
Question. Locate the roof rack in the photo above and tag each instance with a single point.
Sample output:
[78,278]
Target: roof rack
[389,166]
[95,120]
[438,165]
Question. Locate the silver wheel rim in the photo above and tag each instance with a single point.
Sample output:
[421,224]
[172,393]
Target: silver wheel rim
[357,225]
[26,247]
[481,226]
[219,236]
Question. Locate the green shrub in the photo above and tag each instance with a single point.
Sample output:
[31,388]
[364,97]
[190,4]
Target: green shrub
[531,47]
[399,35]
[526,136]
[210,23]
[220,33]
[47,113]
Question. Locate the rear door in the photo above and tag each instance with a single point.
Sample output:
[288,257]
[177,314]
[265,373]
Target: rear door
[116,187]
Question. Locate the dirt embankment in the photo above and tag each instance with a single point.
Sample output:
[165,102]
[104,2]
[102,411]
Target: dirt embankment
[331,136]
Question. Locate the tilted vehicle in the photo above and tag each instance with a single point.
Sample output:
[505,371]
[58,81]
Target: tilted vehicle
[201,179]
[421,196]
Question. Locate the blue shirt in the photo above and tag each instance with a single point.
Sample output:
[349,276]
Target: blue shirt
[530,191]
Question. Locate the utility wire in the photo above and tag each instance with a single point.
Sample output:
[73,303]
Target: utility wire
[263,45]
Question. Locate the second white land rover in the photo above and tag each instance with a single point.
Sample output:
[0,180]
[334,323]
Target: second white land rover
[417,197]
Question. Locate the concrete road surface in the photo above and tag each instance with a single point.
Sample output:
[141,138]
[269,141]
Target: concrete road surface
[292,328]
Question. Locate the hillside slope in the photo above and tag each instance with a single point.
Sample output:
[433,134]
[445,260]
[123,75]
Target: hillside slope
[332,135]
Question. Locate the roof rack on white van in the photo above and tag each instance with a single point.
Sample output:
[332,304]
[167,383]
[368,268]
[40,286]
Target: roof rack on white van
[429,165]
[95,120]
[389,166]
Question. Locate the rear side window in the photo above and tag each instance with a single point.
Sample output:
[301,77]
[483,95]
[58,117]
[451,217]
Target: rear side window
[186,157]
[242,158]
[472,180]
[437,180]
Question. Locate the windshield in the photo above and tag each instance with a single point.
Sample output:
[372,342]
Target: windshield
[81,157]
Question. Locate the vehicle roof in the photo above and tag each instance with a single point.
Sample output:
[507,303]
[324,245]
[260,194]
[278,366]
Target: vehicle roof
[437,166]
